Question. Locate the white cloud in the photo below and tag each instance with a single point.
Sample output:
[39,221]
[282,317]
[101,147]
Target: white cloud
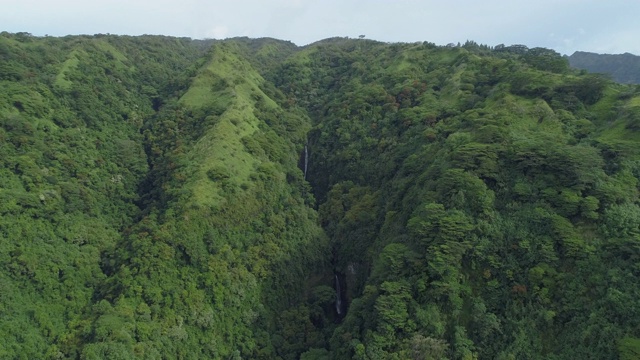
[218,32]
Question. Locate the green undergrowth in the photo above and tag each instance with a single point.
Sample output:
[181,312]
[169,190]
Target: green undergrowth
[69,65]
[227,88]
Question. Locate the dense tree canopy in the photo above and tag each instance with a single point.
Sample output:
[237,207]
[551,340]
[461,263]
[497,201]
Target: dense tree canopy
[172,198]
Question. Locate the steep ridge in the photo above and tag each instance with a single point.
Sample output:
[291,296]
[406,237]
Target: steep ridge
[211,271]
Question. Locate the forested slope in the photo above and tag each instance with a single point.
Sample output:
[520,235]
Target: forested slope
[480,203]
[72,159]
[172,198]
[152,204]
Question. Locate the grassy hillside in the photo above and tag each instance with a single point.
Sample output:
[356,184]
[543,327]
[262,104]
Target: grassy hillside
[228,246]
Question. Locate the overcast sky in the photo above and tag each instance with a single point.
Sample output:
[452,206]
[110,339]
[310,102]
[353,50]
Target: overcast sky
[603,26]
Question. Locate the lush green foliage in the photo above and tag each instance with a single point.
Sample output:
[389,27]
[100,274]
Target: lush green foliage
[489,192]
[472,202]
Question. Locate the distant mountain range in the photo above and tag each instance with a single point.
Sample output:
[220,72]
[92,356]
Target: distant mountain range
[623,68]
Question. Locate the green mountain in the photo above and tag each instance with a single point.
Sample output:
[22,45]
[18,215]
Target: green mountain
[623,68]
[169,198]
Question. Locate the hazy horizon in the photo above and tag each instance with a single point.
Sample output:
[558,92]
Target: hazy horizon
[565,26]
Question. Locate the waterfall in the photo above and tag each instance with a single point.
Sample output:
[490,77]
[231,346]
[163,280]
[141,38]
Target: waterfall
[306,160]
[338,297]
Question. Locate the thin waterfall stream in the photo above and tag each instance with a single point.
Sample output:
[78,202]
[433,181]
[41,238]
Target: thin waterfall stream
[338,296]
[306,160]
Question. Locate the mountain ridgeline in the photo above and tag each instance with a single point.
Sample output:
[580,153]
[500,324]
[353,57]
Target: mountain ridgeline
[169,198]
[623,68]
